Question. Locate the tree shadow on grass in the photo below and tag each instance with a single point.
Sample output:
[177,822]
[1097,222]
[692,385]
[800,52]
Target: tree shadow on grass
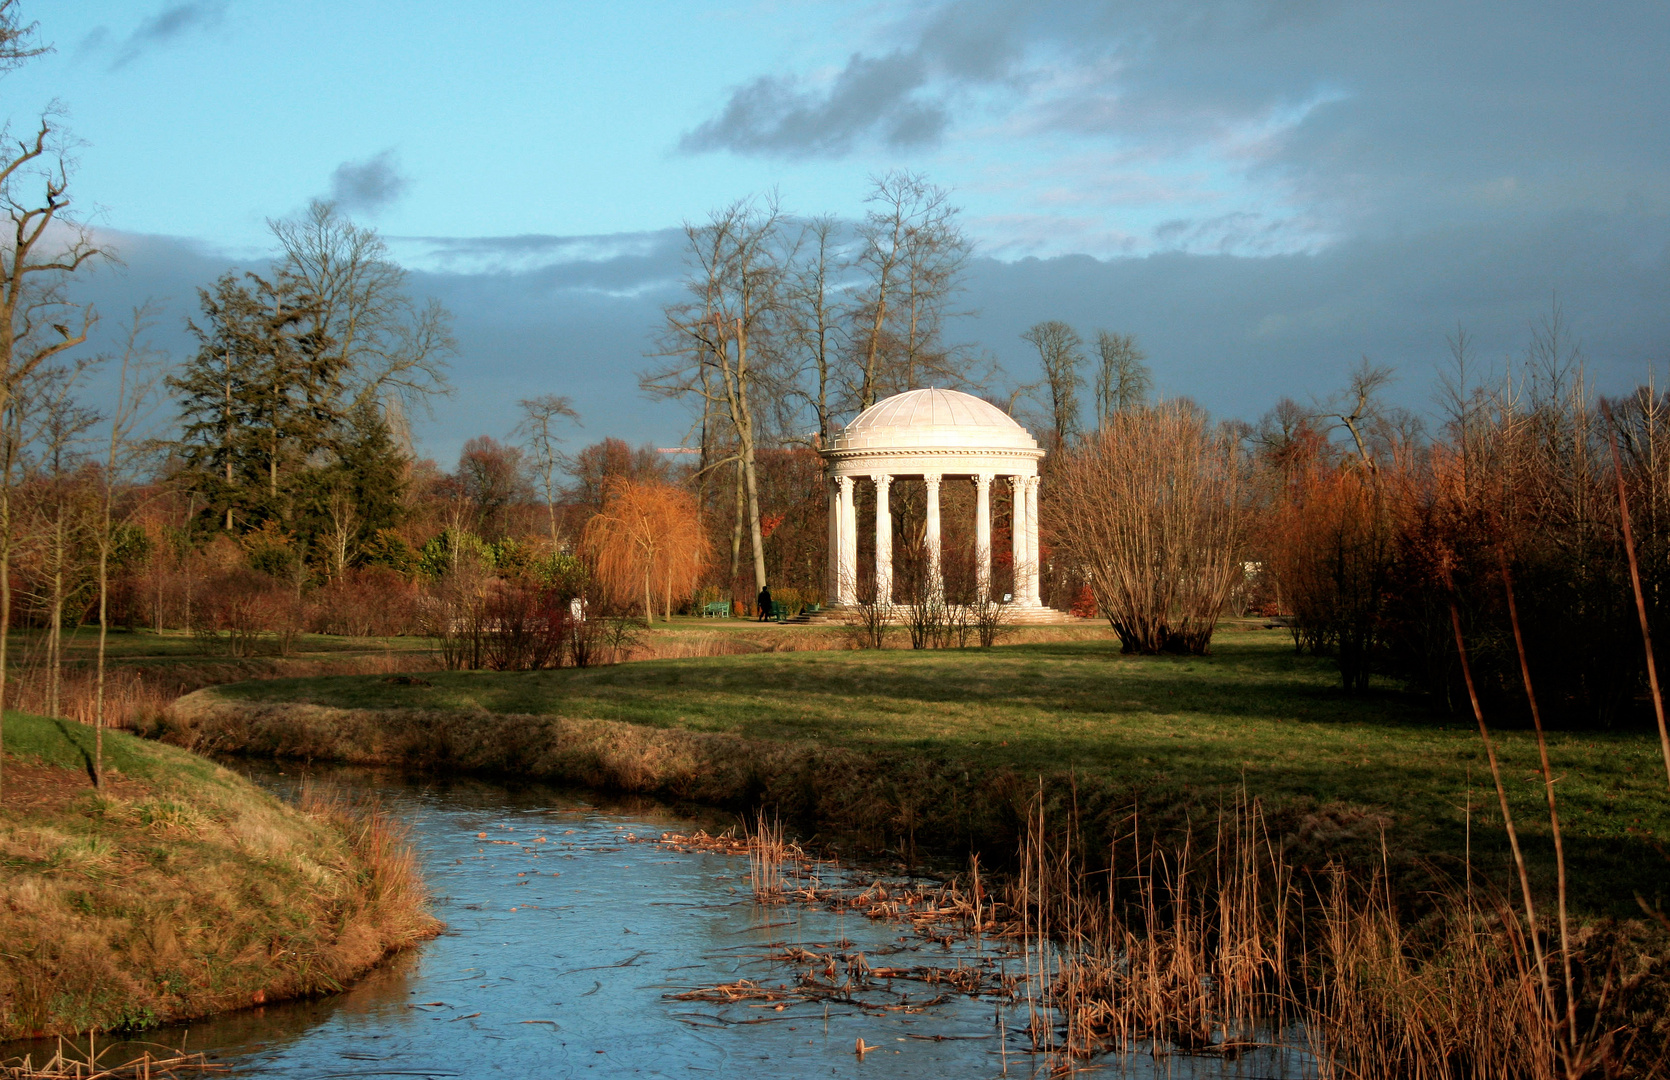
[76,744]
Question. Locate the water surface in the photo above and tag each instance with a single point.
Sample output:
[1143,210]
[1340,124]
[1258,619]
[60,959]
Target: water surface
[567,943]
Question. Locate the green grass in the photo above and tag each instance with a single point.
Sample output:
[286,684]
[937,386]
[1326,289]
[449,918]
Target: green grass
[145,646]
[1253,712]
[70,745]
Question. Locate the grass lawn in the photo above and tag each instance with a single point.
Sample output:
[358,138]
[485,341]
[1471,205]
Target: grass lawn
[1252,712]
[150,648]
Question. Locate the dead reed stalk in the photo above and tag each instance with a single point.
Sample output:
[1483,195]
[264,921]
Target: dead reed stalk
[1640,604]
[75,1064]
[72,1063]
[1214,944]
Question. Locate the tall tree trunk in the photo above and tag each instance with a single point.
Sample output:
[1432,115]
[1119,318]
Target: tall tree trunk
[6,454]
[104,631]
[55,630]
[736,527]
[742,419]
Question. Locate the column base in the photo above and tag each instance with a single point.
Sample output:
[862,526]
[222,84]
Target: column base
[1018,615]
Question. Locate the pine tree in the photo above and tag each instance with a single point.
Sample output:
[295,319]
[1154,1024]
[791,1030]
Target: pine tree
[349,501]
[260,401]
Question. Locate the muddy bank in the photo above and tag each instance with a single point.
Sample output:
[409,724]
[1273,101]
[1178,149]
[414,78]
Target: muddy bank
[902,801]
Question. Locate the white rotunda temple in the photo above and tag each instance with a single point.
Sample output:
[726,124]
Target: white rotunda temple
[936,435]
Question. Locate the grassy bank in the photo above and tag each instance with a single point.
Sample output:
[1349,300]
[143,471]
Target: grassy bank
[946,749]
[180,889]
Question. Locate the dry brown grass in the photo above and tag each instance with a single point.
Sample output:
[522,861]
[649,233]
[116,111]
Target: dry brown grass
[686,644]
[1218,944]
[182,890]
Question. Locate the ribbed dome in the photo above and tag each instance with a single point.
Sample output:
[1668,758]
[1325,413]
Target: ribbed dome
[945,419]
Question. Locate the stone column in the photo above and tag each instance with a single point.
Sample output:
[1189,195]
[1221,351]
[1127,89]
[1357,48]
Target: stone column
[847,568]
[832,583]
[1018,535]
[936,576]
[983,535]
[884,540]
[1034,563]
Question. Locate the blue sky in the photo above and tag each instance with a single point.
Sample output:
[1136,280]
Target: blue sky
[1262,191]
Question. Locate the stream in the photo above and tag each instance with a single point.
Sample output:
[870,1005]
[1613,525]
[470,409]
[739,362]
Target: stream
[567,943]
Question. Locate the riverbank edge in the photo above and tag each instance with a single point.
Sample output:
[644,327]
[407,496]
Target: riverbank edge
[905,803]
[182,890]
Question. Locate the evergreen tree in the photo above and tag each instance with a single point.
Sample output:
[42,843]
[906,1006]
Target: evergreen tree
[261,401]
[360,493]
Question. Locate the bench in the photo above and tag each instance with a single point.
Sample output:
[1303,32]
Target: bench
[719,609]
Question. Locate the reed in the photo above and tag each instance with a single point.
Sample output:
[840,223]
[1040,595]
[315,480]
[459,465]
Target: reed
[1216,944]
[70,1062]
[767,855]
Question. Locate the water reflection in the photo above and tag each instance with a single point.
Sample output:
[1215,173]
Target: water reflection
[566,944]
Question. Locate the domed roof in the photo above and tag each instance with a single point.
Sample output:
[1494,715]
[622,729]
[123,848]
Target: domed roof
[947,419]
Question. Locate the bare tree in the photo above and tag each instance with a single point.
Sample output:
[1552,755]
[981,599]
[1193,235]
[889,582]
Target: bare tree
[389,346]
[59,511]
[1123,380]
[540,417]
[17,42]
[38,321]
[911,255]
[1360,412]
[721,336]
[1060,352]
[813,318]
[492,479]
[138,376]
[1151,513]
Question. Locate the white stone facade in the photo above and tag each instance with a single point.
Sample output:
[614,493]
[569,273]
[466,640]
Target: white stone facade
[942,436]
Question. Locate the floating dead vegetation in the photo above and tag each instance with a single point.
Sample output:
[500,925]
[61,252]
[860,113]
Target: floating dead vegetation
[1215,947]
[893,979]
[71,1062]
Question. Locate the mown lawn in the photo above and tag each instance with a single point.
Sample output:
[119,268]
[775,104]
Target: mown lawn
[148,647]
[1251,713]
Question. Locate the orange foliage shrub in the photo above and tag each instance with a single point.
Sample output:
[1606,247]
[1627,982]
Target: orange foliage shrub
[647,542]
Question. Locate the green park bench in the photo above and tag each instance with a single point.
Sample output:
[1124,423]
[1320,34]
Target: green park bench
[719,609]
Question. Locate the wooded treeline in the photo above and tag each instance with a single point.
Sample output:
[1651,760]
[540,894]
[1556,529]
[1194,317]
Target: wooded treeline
[267,484]
[1370,536]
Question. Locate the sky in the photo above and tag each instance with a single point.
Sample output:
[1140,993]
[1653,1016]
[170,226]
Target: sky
[1262,192]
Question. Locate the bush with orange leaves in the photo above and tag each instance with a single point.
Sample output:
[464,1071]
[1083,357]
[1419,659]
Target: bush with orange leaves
[1332,546]
[647,542]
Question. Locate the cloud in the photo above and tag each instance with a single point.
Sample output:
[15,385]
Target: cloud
[871,96]
[579,315]
[165,26]
[368,185]
[901,99]
[1342,118]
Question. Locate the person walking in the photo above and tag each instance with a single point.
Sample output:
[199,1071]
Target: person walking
[764,602]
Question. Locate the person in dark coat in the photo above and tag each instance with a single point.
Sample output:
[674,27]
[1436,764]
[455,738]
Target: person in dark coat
[764,602]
